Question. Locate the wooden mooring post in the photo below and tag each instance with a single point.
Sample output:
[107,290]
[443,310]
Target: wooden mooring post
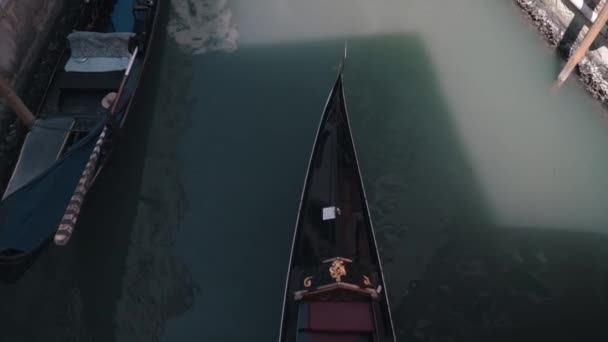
[15,103]
[580,52]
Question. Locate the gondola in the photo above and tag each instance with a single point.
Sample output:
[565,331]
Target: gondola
[335,289]
[84,107]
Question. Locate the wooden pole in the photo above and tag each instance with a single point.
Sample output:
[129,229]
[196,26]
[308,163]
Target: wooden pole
[14,102]
[580,52]
[70,217]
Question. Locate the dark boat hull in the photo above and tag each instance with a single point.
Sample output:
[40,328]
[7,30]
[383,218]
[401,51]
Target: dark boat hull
[160,5]
[30,216]
[335,284]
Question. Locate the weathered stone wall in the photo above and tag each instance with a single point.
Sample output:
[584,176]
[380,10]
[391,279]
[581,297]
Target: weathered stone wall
[563,26]
[568,17]
[24,26]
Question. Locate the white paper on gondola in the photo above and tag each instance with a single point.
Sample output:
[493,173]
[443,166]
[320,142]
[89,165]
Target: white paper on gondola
[329,213]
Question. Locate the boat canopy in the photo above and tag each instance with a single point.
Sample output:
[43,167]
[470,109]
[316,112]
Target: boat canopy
[30,214]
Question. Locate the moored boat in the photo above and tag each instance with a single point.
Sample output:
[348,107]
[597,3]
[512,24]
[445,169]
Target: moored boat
[85,105]
[335,289]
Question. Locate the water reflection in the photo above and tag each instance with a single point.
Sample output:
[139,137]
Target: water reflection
[268,22]
[157,285]
[536,155]
[507,286]
[203,26]
[487,194]
[455,271]
[244,158]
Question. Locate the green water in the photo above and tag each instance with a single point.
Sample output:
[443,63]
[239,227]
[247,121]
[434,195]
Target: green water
[487,193]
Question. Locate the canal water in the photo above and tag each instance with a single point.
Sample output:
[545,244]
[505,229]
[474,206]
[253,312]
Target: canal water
[488,193]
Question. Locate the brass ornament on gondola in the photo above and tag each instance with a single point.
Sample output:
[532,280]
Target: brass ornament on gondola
[337,270]
[308,281]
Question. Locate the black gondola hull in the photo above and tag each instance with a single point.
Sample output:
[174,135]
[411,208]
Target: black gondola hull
[335,284]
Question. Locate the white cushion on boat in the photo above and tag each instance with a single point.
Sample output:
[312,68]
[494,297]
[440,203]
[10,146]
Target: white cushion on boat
[96,64]
[98,52]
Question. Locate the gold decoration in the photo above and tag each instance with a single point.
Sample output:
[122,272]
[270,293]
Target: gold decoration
[337,270]
[307,281]
[366,281]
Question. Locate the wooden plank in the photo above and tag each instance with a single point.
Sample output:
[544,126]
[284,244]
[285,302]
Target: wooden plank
[580,52]
[15,103]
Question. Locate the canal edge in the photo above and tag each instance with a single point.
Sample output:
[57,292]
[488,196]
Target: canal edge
[552,18]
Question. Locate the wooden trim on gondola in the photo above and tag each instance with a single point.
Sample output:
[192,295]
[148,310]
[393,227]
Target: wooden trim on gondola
[299,295]
[337,258]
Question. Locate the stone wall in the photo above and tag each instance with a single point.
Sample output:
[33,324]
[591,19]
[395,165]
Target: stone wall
[570,18]
[563,26]
[24,26]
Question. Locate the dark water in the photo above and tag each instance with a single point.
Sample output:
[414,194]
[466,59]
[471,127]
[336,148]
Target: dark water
[488,195]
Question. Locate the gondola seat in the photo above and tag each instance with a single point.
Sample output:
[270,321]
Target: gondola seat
[94,68]
[335,322]
[341,317]
[98,52]
[308,336]
[89,80]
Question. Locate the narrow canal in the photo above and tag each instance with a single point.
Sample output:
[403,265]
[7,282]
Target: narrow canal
[488,193]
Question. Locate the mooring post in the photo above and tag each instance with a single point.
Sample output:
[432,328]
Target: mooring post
[15,103]
[580,52]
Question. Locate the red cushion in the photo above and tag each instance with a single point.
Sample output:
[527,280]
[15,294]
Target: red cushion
[341,317]
[329,337]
